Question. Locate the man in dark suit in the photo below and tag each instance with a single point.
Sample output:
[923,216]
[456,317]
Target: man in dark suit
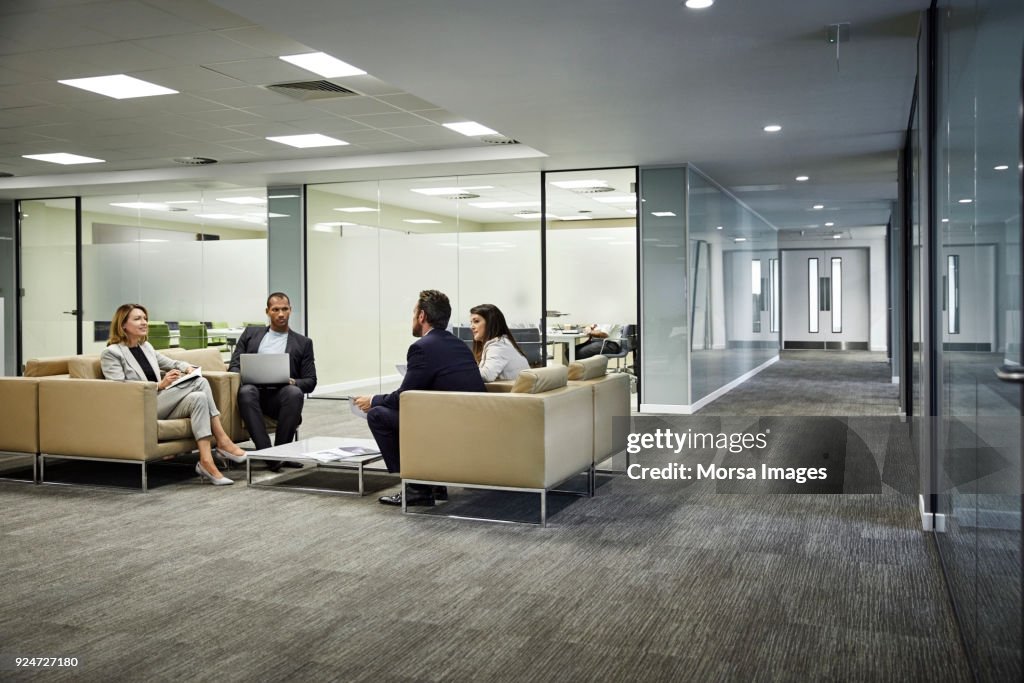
[283,403]
[437,361]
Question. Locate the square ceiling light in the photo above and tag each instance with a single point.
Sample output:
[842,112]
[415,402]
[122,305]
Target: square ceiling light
[323,64]
[470,128]
[119,86]
[308,140]
[63,158]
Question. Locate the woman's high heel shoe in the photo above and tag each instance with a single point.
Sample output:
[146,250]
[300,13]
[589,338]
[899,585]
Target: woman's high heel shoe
[225,456]
[216,481]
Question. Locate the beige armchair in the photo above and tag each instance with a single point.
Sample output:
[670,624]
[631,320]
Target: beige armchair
[19,430]
[610,393]
[530,439]
[83,416]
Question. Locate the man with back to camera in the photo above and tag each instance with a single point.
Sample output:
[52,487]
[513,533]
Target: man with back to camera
[283,403]
[438,361]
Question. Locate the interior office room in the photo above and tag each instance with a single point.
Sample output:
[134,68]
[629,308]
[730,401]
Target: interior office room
[801,219]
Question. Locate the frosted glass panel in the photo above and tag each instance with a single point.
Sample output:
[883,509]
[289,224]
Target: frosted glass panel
[812,294]
[837,295]
[592,274]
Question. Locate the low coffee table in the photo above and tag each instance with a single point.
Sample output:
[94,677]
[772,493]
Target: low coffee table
[312,450]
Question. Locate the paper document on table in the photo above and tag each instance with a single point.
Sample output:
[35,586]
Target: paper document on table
[196,372]
[340,453]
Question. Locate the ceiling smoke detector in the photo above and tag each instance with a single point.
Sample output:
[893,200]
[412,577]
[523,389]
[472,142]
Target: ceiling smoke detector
[498,140]
[194,161]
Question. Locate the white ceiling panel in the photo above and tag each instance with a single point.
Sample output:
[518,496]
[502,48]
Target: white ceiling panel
[360,137]
[270,128]
[223,117]
[33,116]
[200,13]
[356,106]
[262,71]
[286,112]
[268,42]
[249,96]
[333,124]
[112,58]
[217,135]
[127,19]
[200,48]
[386,121]
[367,84]
[17,96]
[440,116]
[406,101]
[49,30]
[182,78]
[429,134]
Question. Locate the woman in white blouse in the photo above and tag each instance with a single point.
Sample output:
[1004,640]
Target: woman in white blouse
[496,352]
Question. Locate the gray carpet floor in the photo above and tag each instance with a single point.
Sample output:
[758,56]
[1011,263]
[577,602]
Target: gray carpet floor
[648,581]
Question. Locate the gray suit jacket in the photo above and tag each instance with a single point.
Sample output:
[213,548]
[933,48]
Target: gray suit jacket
[118,363]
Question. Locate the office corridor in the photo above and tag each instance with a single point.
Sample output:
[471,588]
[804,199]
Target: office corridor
[805,383]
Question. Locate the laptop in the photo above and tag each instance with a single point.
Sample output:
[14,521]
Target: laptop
[265,368]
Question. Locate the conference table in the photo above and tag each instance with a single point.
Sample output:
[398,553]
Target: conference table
[569,339]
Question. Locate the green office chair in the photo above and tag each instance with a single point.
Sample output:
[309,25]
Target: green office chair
[191,335]
[159,334]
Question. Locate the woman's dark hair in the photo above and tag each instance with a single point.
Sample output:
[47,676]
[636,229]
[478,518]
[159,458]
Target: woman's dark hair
[117,333]
[494,322]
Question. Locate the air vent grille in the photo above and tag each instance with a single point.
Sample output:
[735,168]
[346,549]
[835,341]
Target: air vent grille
[498,140]
[592,190]
[311,90]
[194,161]
[462,195]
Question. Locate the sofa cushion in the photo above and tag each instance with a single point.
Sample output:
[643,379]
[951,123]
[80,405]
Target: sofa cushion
[85,367]
[208,359]
[539,380]
[588,368]
[172,430]
[47,367]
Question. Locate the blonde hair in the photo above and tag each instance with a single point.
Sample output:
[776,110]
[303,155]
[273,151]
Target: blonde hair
[117,333]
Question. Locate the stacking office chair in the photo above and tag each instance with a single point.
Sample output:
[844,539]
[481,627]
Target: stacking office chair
[250,324]
[159,334]
[221,342]
[627,344]
[192,335]
[528,339]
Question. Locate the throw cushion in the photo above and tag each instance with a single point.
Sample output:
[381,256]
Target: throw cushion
[85,367]
[588,368]
[539,380]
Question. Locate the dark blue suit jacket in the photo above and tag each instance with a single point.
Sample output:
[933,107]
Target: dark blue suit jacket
[438,361]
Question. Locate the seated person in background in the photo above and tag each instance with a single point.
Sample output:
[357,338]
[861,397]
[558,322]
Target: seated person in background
[130,358]
[437,361]
[599,340]
[283,403]
[494,348]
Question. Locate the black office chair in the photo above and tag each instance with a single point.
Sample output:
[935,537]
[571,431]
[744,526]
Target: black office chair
[528,339]
[627,344]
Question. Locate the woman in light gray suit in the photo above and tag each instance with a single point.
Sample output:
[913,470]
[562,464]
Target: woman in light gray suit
[129,357]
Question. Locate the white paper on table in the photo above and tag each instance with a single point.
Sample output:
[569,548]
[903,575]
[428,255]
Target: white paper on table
[196,372]
[356,410]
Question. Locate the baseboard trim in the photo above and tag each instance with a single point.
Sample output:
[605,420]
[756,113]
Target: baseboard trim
[673,409]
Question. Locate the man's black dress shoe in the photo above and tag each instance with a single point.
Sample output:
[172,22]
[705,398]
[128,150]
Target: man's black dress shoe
[295,465]
[414,498]
[440,493]
[275,465]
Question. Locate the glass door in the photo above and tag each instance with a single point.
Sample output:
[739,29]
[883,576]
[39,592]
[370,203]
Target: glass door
[48,272]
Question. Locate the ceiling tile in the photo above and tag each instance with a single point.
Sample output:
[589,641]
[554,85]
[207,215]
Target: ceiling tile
[430,133]
[200,12]
[286,112]
[356,106]
[128,19]
[385,121]
[269,129]
[440,116]
[28,116]
[188,78]
[407,102]
[248,96]
[200,48]
[49,30]
[217,134]
[19,96]
[269,43]
[333,124]
[223,117]
[262,146]
[49,92]
[262,71]
[365,136]
[111,58]
[368,85]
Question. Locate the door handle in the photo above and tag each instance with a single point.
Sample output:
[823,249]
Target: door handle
[73,311]
[1011,373]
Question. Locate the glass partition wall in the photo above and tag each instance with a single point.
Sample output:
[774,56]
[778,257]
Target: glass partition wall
[373,246]
[711,289]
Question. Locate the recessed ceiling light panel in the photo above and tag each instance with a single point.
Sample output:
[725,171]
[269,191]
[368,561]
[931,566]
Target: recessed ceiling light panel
[63,158]
[308,140]
[470,128]
[421,221]
[772,128]
[699,4]
[802,178]
[445,191]
[323,64]
[356,209]
[119,86]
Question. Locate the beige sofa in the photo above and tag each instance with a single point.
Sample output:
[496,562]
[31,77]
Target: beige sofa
[531,439]
[610,399]
[83,416]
